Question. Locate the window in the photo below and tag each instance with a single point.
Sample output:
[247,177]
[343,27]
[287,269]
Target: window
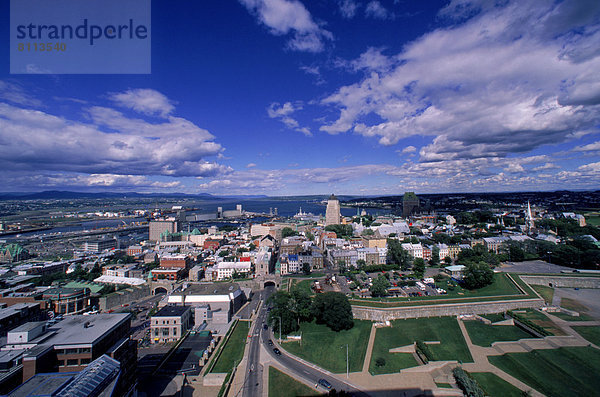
[175,331]
[61,363]
[72,361]
[165,332]
[85,361]
[71,351]
[85,350]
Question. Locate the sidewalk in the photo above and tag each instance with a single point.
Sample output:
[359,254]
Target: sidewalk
[481,363]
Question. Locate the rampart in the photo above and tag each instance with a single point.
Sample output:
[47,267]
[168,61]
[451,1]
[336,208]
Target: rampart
[563,281]
[448,309]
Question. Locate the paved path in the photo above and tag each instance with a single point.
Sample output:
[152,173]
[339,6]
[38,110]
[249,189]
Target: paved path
[367,362]
[481,363]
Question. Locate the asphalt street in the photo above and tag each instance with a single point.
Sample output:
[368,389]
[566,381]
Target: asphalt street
[253,382]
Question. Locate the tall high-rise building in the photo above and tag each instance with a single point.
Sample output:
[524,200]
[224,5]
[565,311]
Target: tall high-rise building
[410,202]
[332,214]
[156,228]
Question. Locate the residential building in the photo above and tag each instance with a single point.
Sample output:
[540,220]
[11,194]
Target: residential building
[374,241]
[170,323]
[225,270]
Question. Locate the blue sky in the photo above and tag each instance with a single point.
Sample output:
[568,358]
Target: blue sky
[285,97]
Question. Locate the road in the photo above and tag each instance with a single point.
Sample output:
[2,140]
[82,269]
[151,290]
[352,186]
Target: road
[253,382]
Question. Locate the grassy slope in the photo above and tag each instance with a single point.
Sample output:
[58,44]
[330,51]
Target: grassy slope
[327,348]
[495,386]
[234,349]
[282,385]
[558,372]
[484,335]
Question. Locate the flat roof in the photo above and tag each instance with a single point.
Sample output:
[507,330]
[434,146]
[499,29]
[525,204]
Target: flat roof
[172,311]
[209,289]
[27,326]
[72,330]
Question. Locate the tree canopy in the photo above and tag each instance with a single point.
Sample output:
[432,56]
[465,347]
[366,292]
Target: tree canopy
[396,255]
[380,286]
[477,275]
[333,309]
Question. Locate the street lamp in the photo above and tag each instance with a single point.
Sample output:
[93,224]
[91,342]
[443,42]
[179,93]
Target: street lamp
[279,328]
[347,363]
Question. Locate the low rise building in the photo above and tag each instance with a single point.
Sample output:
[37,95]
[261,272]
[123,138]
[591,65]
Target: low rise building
[170,323]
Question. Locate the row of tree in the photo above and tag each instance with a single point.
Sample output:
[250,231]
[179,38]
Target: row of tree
[291,308]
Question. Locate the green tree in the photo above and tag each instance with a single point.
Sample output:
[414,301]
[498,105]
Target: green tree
[396,255]
[333,309]
[340,230]
[302,303]
[306,268]
[287,232]
[380,286]
[419,267]
[477,275]
[435,257]
[367,232]
[360,263]
[310,236]
[282,307]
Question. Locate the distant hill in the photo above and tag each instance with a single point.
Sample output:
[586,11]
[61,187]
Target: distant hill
[66,195]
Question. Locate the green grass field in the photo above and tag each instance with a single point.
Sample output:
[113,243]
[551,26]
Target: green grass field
[559,372]
[282,385]
[443,385]
[543,321]
[233,351]
[592,218]
[494,317]
[495,386]
[484,335]
[327,348]
[405,332]
[592,334]
[502,286]
[545,292]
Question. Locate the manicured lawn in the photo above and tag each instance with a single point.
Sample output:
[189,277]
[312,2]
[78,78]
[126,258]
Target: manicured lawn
[558,372]
[282,385]
[494,386]
[591,334]
[233,351]
[541,320]
[502,285]
[545,292]
[405,332]
[494,317]
[394,362]
[484,335]
[327,348]
[444,385]
[304,285]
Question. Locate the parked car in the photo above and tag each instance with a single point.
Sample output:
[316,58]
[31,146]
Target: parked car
[277,351]
[325,384]
[270,342]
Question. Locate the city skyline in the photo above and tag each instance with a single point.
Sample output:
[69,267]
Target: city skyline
[286,97]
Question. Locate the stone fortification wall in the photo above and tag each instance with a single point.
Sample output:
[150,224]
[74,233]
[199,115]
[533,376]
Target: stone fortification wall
[451,309]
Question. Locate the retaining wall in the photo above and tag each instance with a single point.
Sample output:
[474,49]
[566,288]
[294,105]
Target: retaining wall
[450,309]
[563,281]
[124,296]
